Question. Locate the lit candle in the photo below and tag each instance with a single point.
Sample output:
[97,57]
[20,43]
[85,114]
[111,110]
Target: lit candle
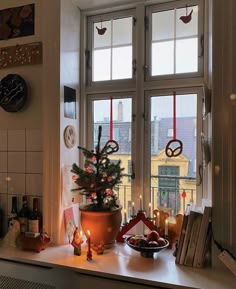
[125,216]
[89,253]
[149,210]
[158,219]
[133,212]
[140,199]
[166,227]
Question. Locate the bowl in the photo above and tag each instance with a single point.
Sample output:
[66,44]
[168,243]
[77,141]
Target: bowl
[147,252]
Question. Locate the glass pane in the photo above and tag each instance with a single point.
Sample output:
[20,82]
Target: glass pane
[102,64]
[122,31]
[187,55]
[173,180]
[190,28]
[102,40]
[163,58]
[163,25]
[122,62]
[121,112]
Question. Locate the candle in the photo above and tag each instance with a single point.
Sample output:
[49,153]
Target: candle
[166,227]
[133,212]
[158,219]
[140,199]
[149,210]
[125,216]
[89,253]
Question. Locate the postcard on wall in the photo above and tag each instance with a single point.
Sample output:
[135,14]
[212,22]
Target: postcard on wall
[17,22]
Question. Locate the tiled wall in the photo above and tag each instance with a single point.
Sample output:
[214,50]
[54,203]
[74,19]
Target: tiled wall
[21,168]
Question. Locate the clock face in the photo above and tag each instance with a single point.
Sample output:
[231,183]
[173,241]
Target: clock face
[69,136]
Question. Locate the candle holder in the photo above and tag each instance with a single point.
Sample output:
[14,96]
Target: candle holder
[141,216]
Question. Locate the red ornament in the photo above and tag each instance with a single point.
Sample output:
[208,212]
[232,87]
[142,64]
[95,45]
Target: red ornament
[183,194]
[89,170]
[109,179]
[74,177]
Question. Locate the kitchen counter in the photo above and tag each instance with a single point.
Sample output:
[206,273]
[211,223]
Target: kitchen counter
[121,263]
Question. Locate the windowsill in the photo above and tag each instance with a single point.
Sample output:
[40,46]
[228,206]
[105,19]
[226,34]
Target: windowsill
[124,264]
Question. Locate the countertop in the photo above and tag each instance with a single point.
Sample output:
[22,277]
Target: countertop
[124,264]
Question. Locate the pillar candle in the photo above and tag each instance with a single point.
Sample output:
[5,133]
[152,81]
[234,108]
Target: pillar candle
[140,199]
[149,210]
[125,216]
[158,219]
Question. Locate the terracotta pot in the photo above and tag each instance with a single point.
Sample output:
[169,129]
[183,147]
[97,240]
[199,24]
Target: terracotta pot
[103,226]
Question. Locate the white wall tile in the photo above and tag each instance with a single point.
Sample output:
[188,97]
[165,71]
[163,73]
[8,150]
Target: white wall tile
[16,140]
[3,183]
[16,184]
[3,162]
[16,162]
[34,184]
[34,141]
[34,162]
[3,140]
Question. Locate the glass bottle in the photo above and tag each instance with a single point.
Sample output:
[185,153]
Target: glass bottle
[13,214]
[24,215]
[35,217]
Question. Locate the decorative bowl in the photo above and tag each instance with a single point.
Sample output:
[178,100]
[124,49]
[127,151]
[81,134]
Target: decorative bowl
[146,252]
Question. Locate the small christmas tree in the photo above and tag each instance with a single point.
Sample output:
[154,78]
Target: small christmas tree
[99,176]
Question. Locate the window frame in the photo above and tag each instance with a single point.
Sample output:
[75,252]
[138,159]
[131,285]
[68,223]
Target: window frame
[166,6]
[89,61]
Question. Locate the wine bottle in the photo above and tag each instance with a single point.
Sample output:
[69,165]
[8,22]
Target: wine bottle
[34,218]
[13,214]
[23,215]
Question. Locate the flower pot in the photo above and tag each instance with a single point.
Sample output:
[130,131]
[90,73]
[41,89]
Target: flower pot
[103,226]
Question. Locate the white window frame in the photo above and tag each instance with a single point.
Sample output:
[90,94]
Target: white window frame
[89,62]
[163,7]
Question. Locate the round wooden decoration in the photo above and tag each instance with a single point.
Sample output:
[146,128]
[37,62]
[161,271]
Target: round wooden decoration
[69,136]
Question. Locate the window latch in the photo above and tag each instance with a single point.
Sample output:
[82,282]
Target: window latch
[134,64]
[145,69]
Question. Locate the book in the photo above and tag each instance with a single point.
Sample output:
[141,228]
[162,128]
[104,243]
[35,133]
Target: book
[188,261]
[182,234]
[203,238]
[192,216]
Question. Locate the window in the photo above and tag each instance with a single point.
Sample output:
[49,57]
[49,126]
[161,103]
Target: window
[111,46]
[142,99]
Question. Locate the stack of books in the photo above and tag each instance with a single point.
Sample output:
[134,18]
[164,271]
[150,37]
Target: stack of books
[194,241]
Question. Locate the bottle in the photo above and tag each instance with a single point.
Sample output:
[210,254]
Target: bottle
[35,218]
[23,215]
[13,215]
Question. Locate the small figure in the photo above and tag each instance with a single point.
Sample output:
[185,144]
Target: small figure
[77,241]
[10,239]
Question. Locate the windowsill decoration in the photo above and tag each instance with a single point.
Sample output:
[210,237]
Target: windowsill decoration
[101,214]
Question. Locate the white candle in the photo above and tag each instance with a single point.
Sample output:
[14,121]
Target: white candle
[140,199]
[166,227]
[158,219]
[125,216]
[133,212]
[149,210]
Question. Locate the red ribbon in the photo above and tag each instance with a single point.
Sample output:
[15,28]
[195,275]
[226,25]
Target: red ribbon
[111,120]
[174,115]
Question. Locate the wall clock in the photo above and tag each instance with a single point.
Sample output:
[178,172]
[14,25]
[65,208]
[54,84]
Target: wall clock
[69,136]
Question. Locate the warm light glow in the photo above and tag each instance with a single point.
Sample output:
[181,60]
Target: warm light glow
[132,204]
[88,233]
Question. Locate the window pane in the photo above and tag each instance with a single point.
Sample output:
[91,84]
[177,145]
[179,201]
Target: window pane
[122,62]
[163,58]
[163,25]
[102,64]
[170,177]
[102,40]
[122,112]
[122,31]
[186,55]
[190,28]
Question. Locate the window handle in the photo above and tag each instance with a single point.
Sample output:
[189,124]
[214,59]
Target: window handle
[132,171]
[134,64]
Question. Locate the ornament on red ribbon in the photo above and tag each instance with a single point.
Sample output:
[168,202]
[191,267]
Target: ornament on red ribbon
[183,194]
[175,146]
[188,17]
[101,30]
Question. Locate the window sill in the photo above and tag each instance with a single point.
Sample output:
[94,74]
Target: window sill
[123,264]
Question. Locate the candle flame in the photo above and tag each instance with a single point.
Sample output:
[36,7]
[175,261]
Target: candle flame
[140,196]
[132,204]
[149,205]
[88,233]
